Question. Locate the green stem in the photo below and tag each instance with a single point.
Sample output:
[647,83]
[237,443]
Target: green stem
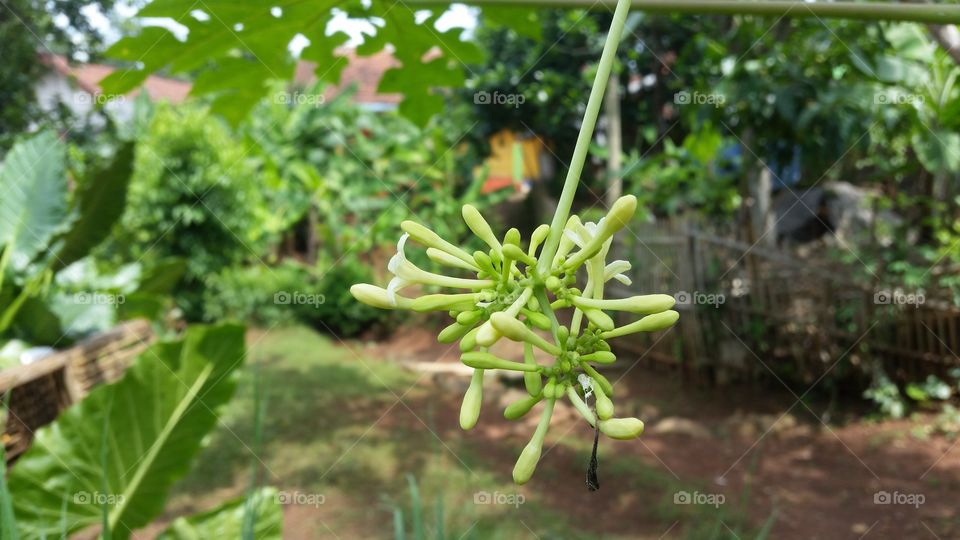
[585,136]
[868,11]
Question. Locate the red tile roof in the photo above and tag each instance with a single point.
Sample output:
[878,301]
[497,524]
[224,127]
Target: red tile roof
[363,71]
[88,77]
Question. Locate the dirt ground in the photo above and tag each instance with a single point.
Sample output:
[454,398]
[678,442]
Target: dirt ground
[856,479]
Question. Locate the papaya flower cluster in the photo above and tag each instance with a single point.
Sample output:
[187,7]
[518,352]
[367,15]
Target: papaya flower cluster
[514,293]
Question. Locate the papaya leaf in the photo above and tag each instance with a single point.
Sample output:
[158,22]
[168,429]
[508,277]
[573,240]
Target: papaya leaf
[161,410]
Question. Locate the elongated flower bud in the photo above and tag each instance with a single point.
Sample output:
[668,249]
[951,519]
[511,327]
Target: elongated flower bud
[600,357]
[485,360]
[519,408]
[517,331]
[444,302]
[512,237]
[453,332]
[536,318]
[650,323]
[469,318]
[599,319]
[580,406]
[484,261]
[645,304]
[602,381]
[487,335]
[515,253]
[530,456]
[531,380]
[431,239]
[622,428]
[604,405]
[619,215]
[480,227]
[537,238]
[469,341]
[378,297]
[470,408]
[444,258]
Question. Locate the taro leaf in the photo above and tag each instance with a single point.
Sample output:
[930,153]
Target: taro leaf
[33,196]
[938,151]
[99,203]
[158,414]
[226,521]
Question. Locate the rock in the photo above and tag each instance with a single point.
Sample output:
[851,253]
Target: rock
[681,426]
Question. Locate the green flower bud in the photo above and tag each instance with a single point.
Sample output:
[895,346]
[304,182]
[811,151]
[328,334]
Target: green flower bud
[444,258]
[444,302]
[470,408]
[650,323]
[452,333]
[533,304]
[537,319]
[431,239]
[619,215]
[602,381]
[531,380]
[604,407]
[484,262]
[513,252]
[537,238]
[469,318]
[487,335]
[600,357]
[553,283]
[527,463]
[519,408]
[512,237]
[645,304]
[599,319]
[580,406]
[485,360]
[517,331]
[469,341]
[549,389]
[377,297]
[622,428]
[562,334]
[480,227]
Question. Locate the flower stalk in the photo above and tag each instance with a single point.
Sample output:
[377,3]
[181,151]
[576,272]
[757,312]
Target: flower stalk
[514,290]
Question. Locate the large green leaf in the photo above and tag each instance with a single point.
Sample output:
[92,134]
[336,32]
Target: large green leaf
[235,49]
[33,196]
[226,521]
[98,203]
[156,417]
